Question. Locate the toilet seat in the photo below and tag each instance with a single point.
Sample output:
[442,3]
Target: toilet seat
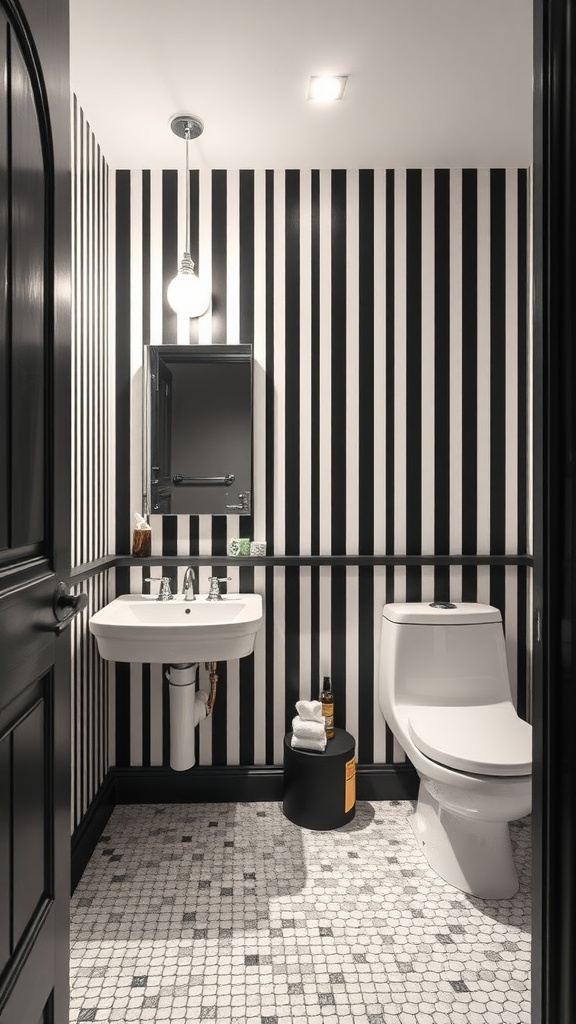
[488,739]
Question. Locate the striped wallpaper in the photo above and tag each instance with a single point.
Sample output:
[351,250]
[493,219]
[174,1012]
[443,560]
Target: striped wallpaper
[92,465]
[388,314]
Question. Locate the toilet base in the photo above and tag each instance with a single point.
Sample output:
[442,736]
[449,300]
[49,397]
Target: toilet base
[474,856]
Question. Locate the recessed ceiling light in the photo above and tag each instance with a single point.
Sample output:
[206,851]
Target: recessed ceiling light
[326,88]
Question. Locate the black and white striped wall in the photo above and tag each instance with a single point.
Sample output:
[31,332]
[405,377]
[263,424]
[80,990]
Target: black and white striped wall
[388,314]
[92,465]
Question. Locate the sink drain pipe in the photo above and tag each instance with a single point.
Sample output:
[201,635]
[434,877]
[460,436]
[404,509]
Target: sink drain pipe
[187,708]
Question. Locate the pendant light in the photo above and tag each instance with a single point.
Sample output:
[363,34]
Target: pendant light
[186,294]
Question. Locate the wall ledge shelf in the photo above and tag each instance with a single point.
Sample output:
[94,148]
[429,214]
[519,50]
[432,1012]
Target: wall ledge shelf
[89,569]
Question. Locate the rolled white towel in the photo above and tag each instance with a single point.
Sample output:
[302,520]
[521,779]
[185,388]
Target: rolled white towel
[309,710]
[308,730]
[299,744]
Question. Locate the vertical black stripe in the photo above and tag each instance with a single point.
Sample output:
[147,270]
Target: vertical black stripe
[146,715]
[413,583]
[270,367]
[338,643]
[366,363]
[442,583]
[122,674]
[247,257]
[247,693]
[269,680]
[292,643]
[122,446]
[314,631]
[390,360]
[497,360]
[390,597]
[165,717]
[469,358]
[367,670]
[522,648]
[413,362]
[522,214]
[315,361]
[170,256]
[219,536]
[145,257]
[219,256]
[292,363]
[194,535]
[469,583]
[338,370]
[220,717]
[442,381]
[498,589]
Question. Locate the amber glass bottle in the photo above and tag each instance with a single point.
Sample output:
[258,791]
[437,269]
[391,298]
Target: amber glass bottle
[327,701]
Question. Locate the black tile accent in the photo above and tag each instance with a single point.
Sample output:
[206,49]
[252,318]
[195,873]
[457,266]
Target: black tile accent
[252,960]
[87,1014]
[325,931]
[459,986]
[326,998]
[139,981]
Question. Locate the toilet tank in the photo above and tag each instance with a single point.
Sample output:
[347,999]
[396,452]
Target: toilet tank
[442,655]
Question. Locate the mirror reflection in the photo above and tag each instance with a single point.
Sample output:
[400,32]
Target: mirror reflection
[198,429]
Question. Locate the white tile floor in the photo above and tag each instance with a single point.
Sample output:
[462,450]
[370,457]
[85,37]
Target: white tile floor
[230,913]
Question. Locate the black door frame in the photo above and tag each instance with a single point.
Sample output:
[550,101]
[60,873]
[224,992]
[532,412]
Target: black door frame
[554,321]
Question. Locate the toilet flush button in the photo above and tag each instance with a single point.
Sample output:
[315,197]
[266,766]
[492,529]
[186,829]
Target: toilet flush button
[441,604]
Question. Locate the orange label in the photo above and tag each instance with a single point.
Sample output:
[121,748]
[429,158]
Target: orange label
[350,785]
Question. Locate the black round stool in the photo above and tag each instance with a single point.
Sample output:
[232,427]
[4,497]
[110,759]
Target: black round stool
[320,788]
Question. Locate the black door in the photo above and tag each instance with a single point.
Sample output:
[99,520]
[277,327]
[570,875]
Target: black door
[34,510]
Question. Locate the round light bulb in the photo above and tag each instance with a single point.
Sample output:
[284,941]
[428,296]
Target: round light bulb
[187,295]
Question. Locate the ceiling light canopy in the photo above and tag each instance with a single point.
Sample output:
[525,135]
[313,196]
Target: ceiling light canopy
[186,294]
[326,88]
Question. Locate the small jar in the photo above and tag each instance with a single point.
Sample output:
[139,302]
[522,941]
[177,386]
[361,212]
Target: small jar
[142,543]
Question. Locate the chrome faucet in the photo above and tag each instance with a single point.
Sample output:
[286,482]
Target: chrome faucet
[188,585]
[164,594]
[214,592]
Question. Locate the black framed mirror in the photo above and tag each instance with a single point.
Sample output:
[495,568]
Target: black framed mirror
[198,429]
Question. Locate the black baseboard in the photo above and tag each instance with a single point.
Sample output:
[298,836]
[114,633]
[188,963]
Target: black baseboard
[91,827]
[210,784]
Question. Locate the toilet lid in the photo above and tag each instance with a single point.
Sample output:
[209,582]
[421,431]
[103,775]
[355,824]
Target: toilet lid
[483,740]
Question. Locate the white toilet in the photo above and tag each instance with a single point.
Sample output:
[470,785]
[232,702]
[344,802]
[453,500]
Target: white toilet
[445,693]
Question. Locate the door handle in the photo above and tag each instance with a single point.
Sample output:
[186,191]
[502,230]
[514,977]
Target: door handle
[66,606]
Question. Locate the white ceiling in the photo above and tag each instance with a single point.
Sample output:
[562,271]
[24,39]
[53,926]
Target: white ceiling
[433,83]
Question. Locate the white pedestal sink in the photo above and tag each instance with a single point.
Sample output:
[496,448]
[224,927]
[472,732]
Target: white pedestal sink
[139,628]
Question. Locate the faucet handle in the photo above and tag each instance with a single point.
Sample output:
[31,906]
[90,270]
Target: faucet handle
[165,594]
[214,592]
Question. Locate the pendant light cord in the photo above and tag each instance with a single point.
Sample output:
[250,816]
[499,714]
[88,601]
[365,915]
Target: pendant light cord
[187,193]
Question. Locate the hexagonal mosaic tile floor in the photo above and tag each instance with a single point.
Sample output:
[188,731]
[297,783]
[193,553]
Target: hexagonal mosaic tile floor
[230,913]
